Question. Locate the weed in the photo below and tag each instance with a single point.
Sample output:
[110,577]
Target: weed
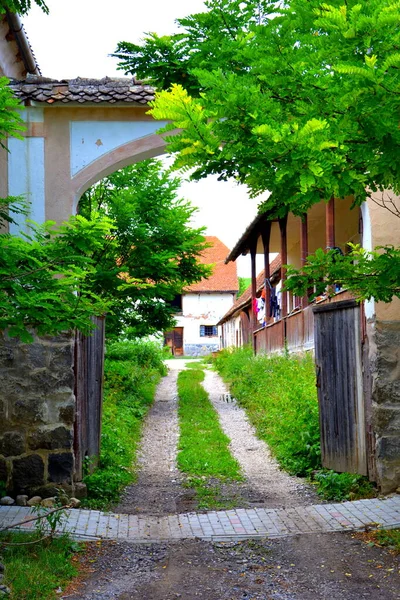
[131,373]
[389,538]
[36,571]
[343,486]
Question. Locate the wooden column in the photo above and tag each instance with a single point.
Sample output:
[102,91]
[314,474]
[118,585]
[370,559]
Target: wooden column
[253,253]
[330,223]
[266,234]
[304,249]
[283,227]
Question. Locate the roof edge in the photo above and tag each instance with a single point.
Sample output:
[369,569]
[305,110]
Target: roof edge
[17,29]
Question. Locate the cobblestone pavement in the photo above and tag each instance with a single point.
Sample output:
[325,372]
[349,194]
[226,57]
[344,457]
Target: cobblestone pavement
[222,525]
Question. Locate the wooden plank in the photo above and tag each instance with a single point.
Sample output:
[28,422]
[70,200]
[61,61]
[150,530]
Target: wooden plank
[340,388]
[342,304]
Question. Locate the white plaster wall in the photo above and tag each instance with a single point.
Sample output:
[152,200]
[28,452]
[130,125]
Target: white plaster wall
[369,305]
[202,309]
[92,139]
[232,327]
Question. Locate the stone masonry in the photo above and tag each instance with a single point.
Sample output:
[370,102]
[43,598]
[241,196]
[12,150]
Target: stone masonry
[385,365]
[37,411]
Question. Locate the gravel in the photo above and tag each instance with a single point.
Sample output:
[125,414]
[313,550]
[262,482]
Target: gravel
[274,487]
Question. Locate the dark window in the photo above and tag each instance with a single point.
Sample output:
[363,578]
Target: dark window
[208,331]
[176,303]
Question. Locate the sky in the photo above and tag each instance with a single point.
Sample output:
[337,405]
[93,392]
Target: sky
[75,40]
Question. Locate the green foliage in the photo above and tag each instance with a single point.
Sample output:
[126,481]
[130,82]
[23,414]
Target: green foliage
[203,447]
[298,98]
[11,123]
[21,6]
[343,486]
[46,277]
[36,571]
[131,373]
[152,252]
[280,398]
[367,274]
[388,538]
[244,283]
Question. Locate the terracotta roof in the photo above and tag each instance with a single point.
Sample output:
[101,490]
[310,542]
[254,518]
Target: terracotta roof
[224,277]
[245,298]
[107,90]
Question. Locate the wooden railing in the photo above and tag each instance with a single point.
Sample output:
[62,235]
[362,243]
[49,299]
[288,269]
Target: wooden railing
[297,329]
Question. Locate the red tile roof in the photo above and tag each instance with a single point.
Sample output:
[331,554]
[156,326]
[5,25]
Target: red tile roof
[224,277]
[245,298]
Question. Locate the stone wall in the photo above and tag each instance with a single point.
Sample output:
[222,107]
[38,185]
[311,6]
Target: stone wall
[200,349]
[37,411]
[385,366]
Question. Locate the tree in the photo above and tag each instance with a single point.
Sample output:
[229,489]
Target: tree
[45,277]
[151,253]
[301,99]
[21,6]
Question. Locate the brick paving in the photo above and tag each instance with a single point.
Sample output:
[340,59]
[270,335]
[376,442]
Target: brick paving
[221,525]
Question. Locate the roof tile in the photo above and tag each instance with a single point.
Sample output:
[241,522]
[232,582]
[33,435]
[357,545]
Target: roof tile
[42,89]
[224,277]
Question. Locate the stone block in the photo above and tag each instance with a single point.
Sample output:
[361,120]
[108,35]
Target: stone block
[67,414]
[3,470]
[388,448]
[50,439]
[29,410]
[12,443]
[80,490]
[37,355]
[386,420]
[27,472]
[48,490]
[21,500]
[61,467]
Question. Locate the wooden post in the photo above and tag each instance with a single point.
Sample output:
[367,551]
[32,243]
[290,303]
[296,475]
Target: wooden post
[304,250]
[283,227]
[253,253]
[266,234]
[330,223]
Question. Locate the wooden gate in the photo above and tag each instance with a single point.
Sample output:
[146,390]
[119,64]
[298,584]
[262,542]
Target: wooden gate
[338,354]
[174,340]
[89,364]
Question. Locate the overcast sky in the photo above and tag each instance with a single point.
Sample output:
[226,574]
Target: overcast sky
[75,40]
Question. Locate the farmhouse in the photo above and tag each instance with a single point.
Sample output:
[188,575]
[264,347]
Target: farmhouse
[356,345]
[202,305]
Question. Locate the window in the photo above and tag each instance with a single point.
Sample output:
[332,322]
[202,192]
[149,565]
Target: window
[176,303]
[208,331]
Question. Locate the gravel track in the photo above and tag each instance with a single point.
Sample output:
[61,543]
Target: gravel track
[274,487]
[157,490]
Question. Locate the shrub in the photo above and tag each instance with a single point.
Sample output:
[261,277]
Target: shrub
[343,486]
[131,373]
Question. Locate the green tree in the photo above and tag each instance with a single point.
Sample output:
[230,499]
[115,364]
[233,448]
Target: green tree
[21,6]
[151,253]
[301,98]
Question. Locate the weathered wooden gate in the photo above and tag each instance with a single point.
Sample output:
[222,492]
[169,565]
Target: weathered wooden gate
[89,363]
[338,355]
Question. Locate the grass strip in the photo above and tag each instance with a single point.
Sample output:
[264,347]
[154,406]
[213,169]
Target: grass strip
[37,570]
[204,452]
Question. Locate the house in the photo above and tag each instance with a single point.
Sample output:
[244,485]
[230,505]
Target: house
[201,306]
[356,345]
[235,325]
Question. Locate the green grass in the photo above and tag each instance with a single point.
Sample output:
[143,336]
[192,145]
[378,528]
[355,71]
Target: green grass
[280,398]
[131,374]
[36,571]
[203,447]
[389,538]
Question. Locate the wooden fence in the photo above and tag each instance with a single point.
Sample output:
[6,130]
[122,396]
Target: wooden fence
[89,363]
